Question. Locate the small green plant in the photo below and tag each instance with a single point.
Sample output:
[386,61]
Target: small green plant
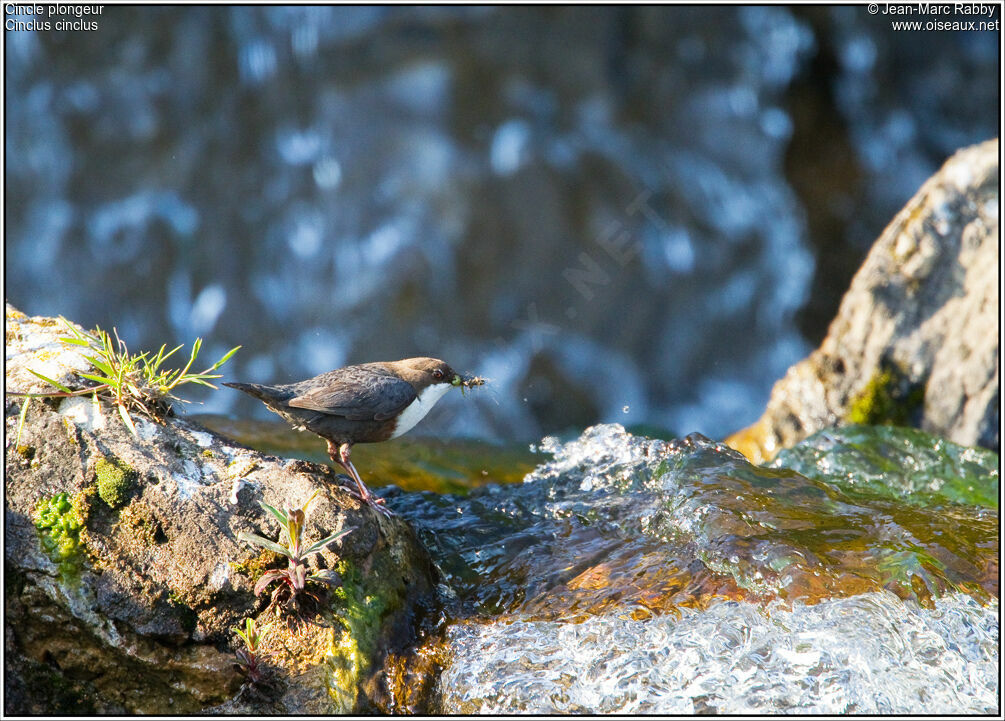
[249,664]
[133,383]
[293,580]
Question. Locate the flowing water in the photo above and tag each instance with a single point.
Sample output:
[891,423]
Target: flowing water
[642,576]
[871,653]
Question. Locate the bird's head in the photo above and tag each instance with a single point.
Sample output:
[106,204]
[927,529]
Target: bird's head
[425,372]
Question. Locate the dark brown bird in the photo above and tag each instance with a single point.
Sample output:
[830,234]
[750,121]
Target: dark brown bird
[365,403]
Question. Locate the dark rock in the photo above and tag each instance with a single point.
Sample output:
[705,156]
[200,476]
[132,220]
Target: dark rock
[916,340]
[132,602]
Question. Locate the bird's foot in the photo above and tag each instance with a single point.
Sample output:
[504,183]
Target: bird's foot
[379,504]
[375,502]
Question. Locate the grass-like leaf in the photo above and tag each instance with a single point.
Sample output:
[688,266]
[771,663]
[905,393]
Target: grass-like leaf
[255,539]
[50,381]
[75,341]
[103,380]
[20,422]
[201,382]
[226,357]
[100,365]
[162,356]
[280,516]
[249,634]
[309,501]
[127,420]
[317,547]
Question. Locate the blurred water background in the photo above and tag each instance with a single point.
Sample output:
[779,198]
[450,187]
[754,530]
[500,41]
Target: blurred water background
[633,214]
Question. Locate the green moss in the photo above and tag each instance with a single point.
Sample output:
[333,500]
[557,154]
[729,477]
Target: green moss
[59,520]
[349,654]
[887,399]
[116,481]
[346,665]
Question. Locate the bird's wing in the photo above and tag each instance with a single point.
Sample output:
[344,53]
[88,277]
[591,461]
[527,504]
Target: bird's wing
[358,396]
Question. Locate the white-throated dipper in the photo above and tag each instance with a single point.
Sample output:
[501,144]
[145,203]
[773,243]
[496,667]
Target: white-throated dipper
[365,403]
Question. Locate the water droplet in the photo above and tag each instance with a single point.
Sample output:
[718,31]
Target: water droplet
[625,409]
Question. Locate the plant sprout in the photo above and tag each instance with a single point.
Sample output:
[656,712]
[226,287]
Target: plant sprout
[294,578]
[248,661]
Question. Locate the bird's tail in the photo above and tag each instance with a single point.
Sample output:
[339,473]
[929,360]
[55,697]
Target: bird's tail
[263,393]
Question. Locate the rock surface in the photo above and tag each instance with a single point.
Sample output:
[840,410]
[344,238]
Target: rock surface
[125,602]
[916,339]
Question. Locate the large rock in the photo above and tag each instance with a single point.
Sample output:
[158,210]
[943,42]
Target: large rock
[915,341]
[132,611]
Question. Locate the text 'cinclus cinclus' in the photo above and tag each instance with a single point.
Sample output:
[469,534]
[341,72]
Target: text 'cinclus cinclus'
[364,403]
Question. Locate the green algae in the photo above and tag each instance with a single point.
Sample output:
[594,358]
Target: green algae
[59,521]
[115,480]
[830,526]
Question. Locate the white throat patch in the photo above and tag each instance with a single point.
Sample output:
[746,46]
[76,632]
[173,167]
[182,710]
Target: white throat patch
[418,408]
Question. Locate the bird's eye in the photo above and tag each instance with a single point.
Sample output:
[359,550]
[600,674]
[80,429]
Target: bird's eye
[438,374]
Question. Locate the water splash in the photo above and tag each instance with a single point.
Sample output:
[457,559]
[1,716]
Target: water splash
[640,576]
[871,653]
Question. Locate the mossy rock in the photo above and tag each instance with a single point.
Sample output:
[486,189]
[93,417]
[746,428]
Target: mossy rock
[348,660]
[889,398]
[138,523]
[254,566]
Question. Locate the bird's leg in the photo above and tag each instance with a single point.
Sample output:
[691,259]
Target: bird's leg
[340,455]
